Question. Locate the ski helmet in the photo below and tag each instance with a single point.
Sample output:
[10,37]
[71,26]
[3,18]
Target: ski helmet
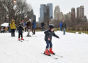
[51,26]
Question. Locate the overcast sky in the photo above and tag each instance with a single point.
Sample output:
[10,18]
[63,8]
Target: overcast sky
[65,5]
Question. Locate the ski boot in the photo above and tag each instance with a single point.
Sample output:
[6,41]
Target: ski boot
[22,38]
[19,39]
[47,52]
[28,35]
[51,52]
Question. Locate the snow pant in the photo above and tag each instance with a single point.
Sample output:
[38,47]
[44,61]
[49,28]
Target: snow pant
[33,30]
[20,35]
[28,32]
[64,31]
[12,32]
[48,44]
[60,28]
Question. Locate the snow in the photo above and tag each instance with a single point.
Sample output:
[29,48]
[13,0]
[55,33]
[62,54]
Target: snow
[72,46]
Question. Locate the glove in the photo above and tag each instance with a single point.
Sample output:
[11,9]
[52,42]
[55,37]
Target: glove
[58,37]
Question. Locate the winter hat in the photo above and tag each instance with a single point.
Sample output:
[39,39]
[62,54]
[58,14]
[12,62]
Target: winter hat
[51,26]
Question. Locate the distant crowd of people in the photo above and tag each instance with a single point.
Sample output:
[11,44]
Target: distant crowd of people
[61,25]
[23,26]
[28,26]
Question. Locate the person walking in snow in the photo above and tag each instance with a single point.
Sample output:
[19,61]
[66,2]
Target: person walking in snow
[33,27]
[61,25]
[48,38]
[13,28]
[20,32]
[42,26]
[64,28]
[29,28]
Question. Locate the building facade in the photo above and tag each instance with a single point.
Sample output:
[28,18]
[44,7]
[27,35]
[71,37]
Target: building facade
[73,16]
[46,10]
[80,12]
[42,12]
[50,5]
[58,15]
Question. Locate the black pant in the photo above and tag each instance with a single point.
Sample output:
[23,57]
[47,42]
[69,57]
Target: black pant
[48,44]
[20,35]
[33,31]
[12,32]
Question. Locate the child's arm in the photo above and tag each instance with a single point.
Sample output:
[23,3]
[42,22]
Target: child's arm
[17,28]
[46,32]
[55,35]
[22,28]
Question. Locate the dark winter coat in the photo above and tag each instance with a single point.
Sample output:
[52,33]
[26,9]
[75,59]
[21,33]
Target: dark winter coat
[20,29]
[29,25]
[49,34]
[64,25]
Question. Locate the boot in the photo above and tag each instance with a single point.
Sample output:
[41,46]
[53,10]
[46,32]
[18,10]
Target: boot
[19,39]
[47,52]
[22,38]
[51,52]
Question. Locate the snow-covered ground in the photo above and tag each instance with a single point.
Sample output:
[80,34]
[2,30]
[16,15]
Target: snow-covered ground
[72,46]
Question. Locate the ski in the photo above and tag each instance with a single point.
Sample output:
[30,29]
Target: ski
[57,58]
[54,56]
[21,40]
[57,55]
[51,56]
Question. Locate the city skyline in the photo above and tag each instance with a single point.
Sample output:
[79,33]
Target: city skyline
[44,9]
[64,6]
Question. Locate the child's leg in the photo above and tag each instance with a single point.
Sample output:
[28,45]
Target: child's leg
[18,36]
[50,50]
[21,35]
[47,46]
[50,44]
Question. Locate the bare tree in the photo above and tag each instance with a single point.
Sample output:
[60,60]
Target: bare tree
[17,10]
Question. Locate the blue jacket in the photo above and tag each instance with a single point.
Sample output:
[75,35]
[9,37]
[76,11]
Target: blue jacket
[61,24]
[33,24]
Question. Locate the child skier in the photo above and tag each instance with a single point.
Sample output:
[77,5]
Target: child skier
[20,32]
[48,38]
